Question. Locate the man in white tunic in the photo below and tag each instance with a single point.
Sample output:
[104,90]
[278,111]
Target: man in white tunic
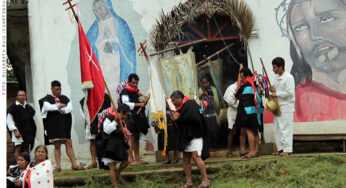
[284,91]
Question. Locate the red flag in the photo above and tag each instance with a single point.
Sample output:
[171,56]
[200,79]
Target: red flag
[92,77]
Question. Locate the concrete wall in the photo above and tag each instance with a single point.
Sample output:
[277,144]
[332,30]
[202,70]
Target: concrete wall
[55,54]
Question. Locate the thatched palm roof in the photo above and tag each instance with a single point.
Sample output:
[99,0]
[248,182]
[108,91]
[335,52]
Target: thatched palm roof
[168,26]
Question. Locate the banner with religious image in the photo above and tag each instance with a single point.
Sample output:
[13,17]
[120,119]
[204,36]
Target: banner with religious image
[179,73]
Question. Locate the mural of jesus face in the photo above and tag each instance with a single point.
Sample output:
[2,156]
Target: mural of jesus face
[318,27]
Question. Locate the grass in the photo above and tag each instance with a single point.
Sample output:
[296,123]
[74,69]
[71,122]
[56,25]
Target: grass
[319,171]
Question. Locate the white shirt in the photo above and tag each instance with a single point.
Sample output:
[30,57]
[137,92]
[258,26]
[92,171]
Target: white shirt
[229,97]
[285,91]
[126,100]
[9,120]
[109,126]
[12,126]
[55,107]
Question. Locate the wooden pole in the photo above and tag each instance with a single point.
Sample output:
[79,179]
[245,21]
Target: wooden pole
[214,54]
[265,71]
[248,49]
[178,47]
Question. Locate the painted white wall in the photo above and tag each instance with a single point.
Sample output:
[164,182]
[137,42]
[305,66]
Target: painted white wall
[55,53]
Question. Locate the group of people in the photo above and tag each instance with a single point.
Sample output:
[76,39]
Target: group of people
[245,111]
[36,173]
[114,134]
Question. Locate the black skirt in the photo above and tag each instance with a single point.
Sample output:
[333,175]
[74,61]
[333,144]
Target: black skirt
[138,123]
[171,140]
[112,147]
[211,122]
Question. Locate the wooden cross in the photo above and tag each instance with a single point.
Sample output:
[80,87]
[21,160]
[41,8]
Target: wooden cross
[142,50]
[71,7]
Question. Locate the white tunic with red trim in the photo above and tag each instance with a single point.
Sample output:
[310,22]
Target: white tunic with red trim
[39,176]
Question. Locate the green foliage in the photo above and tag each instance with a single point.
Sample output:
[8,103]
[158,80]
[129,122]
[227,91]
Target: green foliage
[16,2]
[10,72]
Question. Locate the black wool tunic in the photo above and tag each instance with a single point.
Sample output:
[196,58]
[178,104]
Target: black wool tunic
[24,121]
[112,146]
[191,124]
[137,123]
[56,124]
[244,118]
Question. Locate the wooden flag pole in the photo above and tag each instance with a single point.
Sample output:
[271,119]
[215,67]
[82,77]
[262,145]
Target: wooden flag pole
[109,93]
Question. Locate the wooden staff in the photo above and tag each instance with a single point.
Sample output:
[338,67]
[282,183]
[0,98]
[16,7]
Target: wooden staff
[211,102]
[109,93]
[216,53]
[178,47]
[265,71]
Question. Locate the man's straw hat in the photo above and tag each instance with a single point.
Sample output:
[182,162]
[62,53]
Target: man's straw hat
[273,106]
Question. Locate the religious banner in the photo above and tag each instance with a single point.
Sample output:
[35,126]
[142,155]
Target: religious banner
[92,78]
[157,102]
[179,73]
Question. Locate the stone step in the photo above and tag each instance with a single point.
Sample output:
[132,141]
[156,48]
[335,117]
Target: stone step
[264,149]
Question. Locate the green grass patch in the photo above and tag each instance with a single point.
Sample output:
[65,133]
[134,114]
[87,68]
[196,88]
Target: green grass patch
[296,172]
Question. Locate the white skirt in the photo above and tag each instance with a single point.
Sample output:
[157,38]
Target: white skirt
[196,144]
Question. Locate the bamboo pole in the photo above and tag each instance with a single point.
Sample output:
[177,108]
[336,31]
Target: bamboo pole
[178,47]
[214,54]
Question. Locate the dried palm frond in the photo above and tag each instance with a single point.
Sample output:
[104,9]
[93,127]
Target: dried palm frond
[168,27]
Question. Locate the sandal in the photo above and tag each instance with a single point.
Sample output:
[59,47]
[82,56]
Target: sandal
[241,154]
[175,162]
[229,154]
[143,162]
[77,168]
[187,186]
[283,154]
[167,163]
[204,184]
[92,166]
[135,163]
[248,156]
[57,170]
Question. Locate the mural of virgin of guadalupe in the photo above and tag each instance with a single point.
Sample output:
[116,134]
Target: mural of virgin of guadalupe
[113,44]
[317,33]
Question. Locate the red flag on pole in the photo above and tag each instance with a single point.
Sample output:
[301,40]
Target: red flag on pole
[92,78]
